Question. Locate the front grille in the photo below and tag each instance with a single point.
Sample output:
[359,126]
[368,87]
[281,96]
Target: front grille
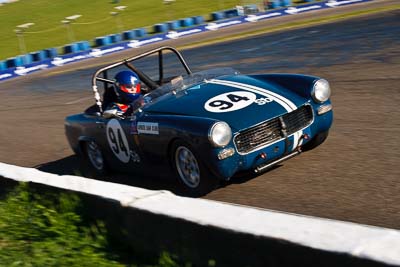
[298,119]
[272,130]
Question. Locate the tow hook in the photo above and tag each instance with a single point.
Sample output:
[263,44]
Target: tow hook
[302,137]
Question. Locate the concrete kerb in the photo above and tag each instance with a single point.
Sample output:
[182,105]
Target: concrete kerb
[198,230]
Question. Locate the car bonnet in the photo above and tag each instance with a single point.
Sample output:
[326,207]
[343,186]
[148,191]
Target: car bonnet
[241,101]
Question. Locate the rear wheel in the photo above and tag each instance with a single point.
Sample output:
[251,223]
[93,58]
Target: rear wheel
[194,178]
[94,163]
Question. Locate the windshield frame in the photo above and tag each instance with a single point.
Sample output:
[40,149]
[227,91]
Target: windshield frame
[186,82]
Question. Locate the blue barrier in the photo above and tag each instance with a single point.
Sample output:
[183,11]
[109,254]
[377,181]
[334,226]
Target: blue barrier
[108,40]
[38,56]
[140,32]
[83,46]
[274,4]
[173,25]
[70,48]
[27,59]
[51,52]
[14,62]
[286,3]
[186,22]
[18,61]
[231,13]
[198,20]
[160,28]
[115,38]
[128,35]
[217,16]
[98,41]
[102,41]
[3,65]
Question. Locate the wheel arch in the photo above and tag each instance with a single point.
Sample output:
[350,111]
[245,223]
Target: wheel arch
[192,130]
[297,83]
[171,144]
[81,142]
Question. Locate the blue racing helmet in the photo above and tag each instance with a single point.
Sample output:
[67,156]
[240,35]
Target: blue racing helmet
[127,85]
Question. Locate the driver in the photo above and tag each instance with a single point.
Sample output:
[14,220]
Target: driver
[127,90]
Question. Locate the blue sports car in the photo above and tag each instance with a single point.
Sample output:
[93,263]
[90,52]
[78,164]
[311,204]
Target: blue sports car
[205,125]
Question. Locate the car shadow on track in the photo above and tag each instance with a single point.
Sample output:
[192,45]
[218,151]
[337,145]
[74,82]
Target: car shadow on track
[161,180]
[245,176]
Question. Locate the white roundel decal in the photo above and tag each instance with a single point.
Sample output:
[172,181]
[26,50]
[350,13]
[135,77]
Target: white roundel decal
[117,140]
[230,101]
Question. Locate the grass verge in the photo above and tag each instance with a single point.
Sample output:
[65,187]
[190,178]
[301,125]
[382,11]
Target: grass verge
[46,228]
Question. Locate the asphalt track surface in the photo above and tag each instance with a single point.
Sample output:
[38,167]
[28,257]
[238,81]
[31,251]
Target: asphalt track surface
[354,176]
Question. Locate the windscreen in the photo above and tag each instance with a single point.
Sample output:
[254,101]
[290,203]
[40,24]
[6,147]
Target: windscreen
[185,82]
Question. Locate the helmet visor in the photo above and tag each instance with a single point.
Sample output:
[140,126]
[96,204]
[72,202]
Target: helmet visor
[131,88]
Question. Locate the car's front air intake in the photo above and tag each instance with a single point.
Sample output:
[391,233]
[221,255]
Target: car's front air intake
[269,131]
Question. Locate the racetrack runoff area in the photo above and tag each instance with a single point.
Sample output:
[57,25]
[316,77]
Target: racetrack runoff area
[198,230]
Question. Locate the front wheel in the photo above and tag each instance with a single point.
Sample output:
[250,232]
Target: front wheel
[194,178]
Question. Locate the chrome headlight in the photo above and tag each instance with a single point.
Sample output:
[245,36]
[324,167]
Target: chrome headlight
[321,91]
[220,134]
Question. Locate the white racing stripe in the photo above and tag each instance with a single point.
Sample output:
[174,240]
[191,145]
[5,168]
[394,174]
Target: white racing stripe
[288,105]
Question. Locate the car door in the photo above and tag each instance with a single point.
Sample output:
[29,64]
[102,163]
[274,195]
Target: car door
[121,148]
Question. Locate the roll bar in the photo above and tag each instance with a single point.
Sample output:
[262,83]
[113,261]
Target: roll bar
[127,62]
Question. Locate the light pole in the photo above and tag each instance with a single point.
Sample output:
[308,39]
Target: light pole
[118,20]
[168,3]
[67,22]
[20,35]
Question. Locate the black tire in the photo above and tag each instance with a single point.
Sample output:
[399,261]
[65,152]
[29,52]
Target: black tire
[316,141]
[194,178]
[93,164]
